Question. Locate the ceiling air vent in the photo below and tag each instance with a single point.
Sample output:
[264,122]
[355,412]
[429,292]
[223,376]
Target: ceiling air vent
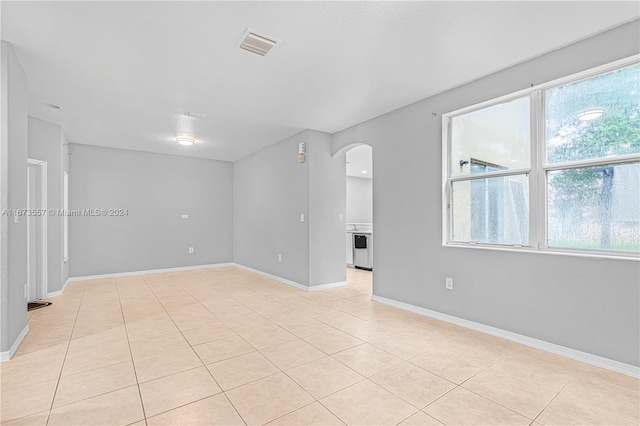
[257,43]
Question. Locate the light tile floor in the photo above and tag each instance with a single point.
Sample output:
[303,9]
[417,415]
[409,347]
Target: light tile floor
[226,346]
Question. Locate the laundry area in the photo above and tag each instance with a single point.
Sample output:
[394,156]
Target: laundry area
[359,236]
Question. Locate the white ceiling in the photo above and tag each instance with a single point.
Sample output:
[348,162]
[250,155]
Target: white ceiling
[360,162]
[121,70]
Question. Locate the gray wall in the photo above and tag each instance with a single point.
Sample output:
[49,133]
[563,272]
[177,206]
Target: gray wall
[327,203]
[45,144]
[13,180]
[587,304]
[270,191]
[359,200]
[157,190]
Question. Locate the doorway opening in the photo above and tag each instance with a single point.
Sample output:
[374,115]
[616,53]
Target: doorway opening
[359,215]
[36,287]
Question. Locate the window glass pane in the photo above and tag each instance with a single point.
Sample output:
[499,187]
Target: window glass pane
[595,207]
[594,118]
[497,136]
[493,210]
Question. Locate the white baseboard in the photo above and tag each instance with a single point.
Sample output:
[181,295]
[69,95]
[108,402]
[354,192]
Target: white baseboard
[273,277]
[587,358]
[59,292]
[187,268]
[151,271]
[7,355]
[292,283]
[327,286]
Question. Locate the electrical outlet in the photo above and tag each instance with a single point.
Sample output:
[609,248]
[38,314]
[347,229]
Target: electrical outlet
[448,283]
[185,216]
[190,250]
[301,217]
[279,258]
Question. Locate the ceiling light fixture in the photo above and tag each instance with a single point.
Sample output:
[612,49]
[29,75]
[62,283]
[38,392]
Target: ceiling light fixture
[364,171]
[185,140]
[194,114]
[591,114]
[191,114]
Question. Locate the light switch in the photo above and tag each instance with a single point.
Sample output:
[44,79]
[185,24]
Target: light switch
[185,216]
[301,217]
[448,283]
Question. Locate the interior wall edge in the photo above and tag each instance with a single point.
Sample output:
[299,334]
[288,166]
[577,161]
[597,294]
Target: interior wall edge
[8,354]
[273,277]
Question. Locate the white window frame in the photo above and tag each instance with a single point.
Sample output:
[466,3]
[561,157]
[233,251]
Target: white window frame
[537,171]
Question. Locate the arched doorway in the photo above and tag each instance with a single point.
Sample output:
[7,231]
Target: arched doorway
[359,216]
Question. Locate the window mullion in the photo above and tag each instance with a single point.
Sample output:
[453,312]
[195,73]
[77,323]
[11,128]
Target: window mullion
[620,159]
[540,211]
[488,175]
[533,176]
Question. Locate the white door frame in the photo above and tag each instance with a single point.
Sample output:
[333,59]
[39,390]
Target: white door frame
[42,167]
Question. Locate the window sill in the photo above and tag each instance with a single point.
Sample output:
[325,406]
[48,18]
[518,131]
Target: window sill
[548,251]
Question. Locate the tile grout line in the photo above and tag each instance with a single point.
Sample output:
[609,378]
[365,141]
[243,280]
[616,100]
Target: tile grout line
[255,349]
[93,396]
[66,352]
[307,315]
[437,399]
[485,397]
[533,420]
[482,370]
[196,353]
[191,346]
[281,370]
[449,380]
[234,407]
[300,408]
[224,392]
[557,394]
[458,385]
[498,403]
[365,378]
[351,385]
[133,362]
